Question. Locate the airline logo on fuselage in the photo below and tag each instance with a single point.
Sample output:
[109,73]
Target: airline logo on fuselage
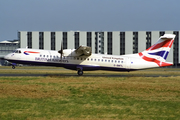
[27,52]
[51,60]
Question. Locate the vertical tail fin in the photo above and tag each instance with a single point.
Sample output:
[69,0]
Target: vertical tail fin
[159,51]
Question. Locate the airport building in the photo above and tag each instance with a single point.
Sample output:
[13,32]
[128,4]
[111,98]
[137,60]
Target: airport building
[114,43]
[6,47]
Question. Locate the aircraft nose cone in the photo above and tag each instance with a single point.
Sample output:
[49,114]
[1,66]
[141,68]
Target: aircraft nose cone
[7,57]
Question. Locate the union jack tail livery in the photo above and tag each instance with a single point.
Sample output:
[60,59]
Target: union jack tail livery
[159,51]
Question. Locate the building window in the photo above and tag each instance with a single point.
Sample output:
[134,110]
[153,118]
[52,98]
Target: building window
[161,33]
[96,42]
[109,44]
[76,35]
[122,43]
[41,40]
[29,39]
[148,40]
[176,49]
[53,38]
[89,39]
[64,40]
[99,42]
[135,42]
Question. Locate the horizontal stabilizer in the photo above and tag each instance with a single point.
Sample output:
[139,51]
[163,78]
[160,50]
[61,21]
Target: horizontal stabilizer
[167,36]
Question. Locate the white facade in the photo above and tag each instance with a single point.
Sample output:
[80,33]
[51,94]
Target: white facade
[141,41]
[129,42]
[58,40]
[116,43]
[23,39]
[35,40]
[134,41]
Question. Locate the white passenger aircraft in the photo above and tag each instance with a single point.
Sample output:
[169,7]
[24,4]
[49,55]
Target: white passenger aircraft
[82,59]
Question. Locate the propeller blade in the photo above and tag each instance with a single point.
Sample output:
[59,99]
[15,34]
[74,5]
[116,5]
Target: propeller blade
[61,51]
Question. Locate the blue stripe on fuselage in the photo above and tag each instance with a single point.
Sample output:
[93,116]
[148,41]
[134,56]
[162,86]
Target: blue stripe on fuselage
[72,66]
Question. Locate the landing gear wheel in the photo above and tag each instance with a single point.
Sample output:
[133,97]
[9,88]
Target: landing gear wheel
[80,72]
[13,67]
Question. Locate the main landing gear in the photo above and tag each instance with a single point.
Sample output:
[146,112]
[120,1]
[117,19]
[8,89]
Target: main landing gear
[13,67]
[79,72]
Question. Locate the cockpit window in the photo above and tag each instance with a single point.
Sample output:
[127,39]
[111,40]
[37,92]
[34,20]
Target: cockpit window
[17,51]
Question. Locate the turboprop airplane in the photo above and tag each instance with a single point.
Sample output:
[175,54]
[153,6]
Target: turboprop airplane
[82,59]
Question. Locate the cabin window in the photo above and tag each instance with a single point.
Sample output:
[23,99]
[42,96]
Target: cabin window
[94,59]
[115,61]
[44,56]
[105,60]
[102,60]
[84,58]
[112,61]
[81,58]
[19,51]
[88,59]
[40,55]
[47,56]
[77,58]
[118,61]
[50,55]
[91,59]
[108,60]
[121,61]
[98,59]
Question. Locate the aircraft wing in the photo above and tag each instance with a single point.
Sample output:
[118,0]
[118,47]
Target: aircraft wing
[84,50]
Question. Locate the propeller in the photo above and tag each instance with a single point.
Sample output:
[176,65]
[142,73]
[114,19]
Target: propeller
[61,51]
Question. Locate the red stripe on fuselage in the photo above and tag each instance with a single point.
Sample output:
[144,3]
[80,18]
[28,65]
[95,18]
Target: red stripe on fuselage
[30,52]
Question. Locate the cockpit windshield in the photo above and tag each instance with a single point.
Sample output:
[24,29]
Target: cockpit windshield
[17,51]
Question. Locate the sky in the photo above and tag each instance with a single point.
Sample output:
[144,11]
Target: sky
[87,15]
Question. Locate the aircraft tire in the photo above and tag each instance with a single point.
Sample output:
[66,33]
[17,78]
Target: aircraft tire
[80,72]
[13,67]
